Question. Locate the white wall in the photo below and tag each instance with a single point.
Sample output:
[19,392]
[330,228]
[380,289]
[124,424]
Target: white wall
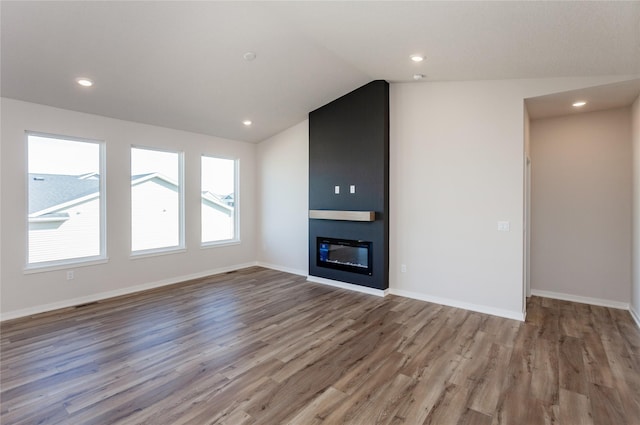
[457,169]
[27,293]
[283,187]
[581,207]
[635,287]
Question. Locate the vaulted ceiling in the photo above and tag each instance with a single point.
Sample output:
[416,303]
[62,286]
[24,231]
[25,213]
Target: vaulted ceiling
[180,64]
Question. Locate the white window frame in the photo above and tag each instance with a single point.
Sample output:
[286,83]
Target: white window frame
[181,247]
[78,261]
[236,204]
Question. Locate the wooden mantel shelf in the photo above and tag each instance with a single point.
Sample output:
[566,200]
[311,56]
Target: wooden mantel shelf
[342,215]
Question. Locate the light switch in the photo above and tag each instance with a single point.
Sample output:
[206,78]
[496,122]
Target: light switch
[352,188]
[504,226]
[337,190]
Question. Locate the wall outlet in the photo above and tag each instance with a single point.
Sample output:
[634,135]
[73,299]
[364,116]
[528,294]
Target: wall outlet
[70,275]
[336,190]
[403,268]
[352,188]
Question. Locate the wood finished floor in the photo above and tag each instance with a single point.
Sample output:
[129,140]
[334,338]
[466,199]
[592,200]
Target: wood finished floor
[259,346]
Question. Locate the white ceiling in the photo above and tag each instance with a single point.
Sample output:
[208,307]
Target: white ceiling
[180,64]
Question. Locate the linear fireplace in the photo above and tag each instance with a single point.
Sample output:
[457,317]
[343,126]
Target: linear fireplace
[344,254]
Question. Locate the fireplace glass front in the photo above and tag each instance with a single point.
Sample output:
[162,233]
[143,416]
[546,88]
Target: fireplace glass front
[343,254]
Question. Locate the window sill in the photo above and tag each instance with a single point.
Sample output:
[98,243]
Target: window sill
[70,264]
[217,244]
[156,252]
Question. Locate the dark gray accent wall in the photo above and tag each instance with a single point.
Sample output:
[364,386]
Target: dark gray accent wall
[349,145]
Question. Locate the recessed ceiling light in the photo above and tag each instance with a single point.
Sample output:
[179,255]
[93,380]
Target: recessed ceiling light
[249,56]
[247,122]
[418,76]
[579,104]
[84,82]
[417,58]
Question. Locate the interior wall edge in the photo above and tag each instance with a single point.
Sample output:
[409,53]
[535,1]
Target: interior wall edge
[635,244]
[635,315]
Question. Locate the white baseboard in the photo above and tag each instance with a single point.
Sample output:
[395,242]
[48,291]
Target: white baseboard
[408,294]
[349,286]
[508,314]
[282,269]
[635,315]
[116,293]
[581,299]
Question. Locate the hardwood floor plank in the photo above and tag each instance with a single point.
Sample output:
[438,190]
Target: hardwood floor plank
[449,407]
[316,350]
[471,417]
[473,359]
[428,384]
[544,379]
[571,323]
[571,365]
[596,363]
[434,348]
[542,413]
[606,406]
[172,410]
[388,400]
[513,404]
[50,415]
[259,346]
[502,332]
[486,384]
[626,328]
[550,326]
[575,409]
[364,373]
[237,418]
[315,412]
[628,392]
[374,402]
[216,412]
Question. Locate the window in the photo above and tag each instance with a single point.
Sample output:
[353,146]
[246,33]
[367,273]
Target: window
[156,200]
[65,200]
[219,200]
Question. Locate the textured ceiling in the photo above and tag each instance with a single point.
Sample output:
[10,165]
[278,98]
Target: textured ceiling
[180,64]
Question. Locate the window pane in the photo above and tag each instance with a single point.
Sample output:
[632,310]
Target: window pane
[65,210]
[156,210]
[218,199]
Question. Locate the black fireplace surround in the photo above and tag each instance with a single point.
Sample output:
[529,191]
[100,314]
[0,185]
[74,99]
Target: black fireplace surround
[349,146]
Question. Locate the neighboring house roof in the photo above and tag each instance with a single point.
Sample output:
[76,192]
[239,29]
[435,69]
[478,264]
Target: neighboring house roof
[47,190]
[139,178]
[216,202]
[49,193]
[228,199]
